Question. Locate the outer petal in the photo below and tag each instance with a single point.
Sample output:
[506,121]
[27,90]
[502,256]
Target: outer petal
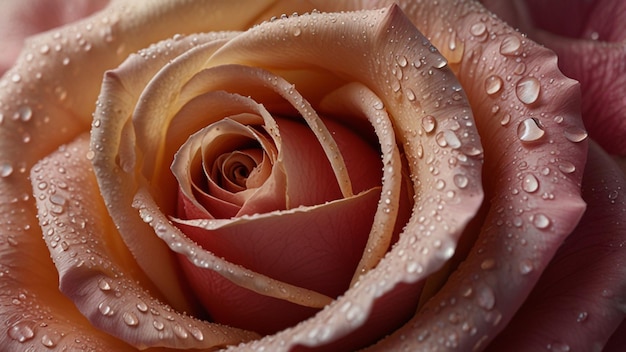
[96,270]
[590,39]
[532,174]
[580,299]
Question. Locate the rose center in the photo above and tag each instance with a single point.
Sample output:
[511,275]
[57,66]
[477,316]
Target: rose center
[231,171]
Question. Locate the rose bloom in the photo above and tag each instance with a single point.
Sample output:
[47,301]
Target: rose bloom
[351,175]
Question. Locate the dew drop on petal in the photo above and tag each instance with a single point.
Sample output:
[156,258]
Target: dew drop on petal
[486,298]
[541,221]
[6,169]
[493,84]
[49,341]
[451,139]
[530,183]
[21,331]
[478,29]
[575,134]
[461,180]
[505,119]
[566,167]
[429,123]
[530,130]
[130,319]
[525,267]
[527,90]
[510,45]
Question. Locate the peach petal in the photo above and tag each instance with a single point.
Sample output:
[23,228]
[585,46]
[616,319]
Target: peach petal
[113,166]
[96,270]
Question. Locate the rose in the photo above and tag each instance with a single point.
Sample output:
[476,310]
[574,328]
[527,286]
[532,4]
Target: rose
[24,297]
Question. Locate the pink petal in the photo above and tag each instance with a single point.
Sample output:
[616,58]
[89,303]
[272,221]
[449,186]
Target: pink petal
[589,39]
[532,179]
[579,300]
[96,270]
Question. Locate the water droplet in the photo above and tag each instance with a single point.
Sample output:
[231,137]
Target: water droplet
[157,324]
[49,341]
[582,316]
[104,285]
[297,31]
[527,90]
[478,29]
[142,306]
[566,167]
[197,334]
[530,183]
[105,309]
[130,319]
[6,169]
[410,95]
[520,69]
[541,221]
[575,134]
[402,61]
[180,331]
[525,266]
[451,139]
[558,347]
[506,118]
[25,113]
[21,331]
[486,298]
[510,45]
[16,78]
[461,180]
[488,264]
[429,123]
[530,130]
[413,267]
[493,84]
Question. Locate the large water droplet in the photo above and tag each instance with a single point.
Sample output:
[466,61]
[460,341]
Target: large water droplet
[478,29]
[451,139]
[530,130]
[575,134]
[105,309]
[530,183]
[49,340]
[6,169]
[461,180]
[566,167]
[527,90]
[510,45]
[493,84]
[541,221]
[130,319]
[21,331]
[429,123]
